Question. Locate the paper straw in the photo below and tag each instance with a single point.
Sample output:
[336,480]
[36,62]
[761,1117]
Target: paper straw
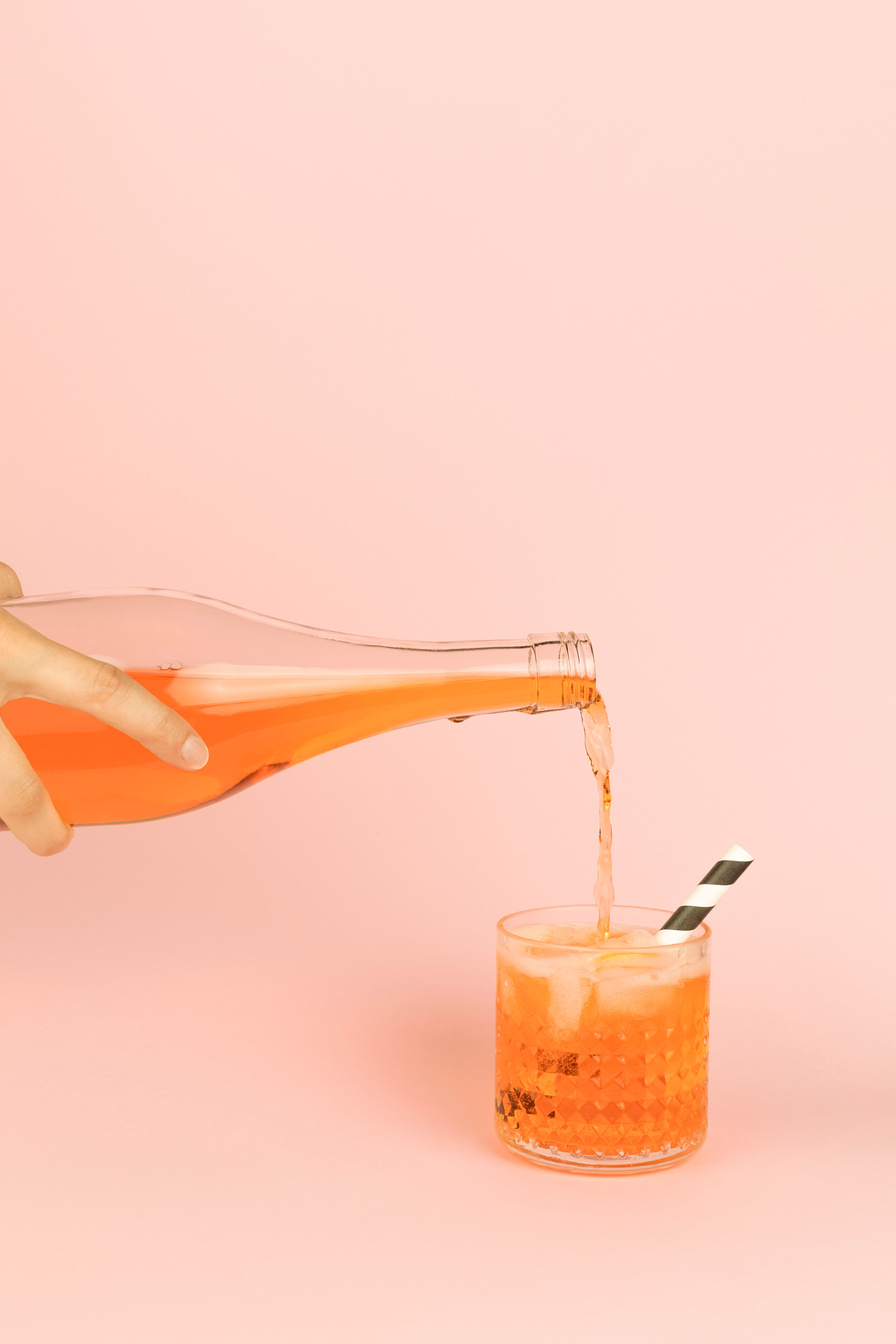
[720,877]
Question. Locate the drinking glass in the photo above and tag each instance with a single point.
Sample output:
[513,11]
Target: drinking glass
[601,1044]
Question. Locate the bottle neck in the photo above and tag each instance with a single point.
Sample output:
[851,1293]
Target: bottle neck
[533,675]
[564,671]
[458,680]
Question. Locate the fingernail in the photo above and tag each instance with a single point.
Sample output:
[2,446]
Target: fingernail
[194,752]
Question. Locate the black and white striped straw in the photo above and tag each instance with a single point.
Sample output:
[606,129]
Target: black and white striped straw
[720,877]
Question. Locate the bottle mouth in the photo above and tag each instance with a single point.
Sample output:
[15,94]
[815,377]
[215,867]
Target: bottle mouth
[563,664]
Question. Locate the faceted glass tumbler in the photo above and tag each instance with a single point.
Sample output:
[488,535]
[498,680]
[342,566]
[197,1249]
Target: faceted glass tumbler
[601,1059]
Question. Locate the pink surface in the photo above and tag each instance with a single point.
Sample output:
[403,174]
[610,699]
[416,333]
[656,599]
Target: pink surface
[457,321]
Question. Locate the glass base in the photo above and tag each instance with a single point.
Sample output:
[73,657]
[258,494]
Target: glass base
[601,1164]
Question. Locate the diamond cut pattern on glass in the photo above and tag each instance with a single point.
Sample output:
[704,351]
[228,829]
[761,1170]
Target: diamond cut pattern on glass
[632,1089]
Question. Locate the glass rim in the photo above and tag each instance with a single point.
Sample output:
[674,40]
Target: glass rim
[701,934]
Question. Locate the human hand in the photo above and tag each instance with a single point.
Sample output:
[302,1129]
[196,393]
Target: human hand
[32,665]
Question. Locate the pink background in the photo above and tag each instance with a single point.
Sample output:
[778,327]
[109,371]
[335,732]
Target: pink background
[456,321]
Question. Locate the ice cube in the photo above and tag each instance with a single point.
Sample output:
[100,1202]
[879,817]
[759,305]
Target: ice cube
[568,991]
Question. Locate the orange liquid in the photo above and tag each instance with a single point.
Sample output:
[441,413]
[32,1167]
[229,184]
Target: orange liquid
[253,722]
[599,747]
[618,1071]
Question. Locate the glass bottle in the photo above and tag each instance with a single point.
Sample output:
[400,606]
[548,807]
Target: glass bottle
[263,694]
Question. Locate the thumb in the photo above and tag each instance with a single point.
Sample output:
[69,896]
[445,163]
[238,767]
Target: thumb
[9,584]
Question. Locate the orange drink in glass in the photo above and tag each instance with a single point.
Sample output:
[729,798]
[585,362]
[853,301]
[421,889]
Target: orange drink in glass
[601,1041]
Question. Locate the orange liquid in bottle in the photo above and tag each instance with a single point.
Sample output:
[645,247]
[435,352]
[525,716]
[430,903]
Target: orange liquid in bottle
[254,722]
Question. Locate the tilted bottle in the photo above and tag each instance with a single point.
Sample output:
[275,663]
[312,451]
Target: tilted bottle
[263,694]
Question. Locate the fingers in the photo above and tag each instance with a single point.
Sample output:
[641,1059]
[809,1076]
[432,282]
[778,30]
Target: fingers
[110,695]
[9,584]
[25,805]
[34,665]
